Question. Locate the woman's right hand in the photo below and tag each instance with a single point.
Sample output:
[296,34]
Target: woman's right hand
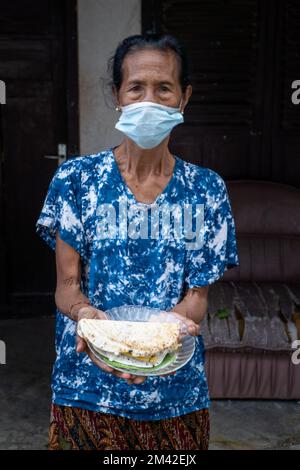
[94,313]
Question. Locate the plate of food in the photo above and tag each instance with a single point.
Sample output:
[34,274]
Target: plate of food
[139,340]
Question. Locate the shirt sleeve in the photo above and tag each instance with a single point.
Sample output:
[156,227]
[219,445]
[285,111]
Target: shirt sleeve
[219,248]
[61,210]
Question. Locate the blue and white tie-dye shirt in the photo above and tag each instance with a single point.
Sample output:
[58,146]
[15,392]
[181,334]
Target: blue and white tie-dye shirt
[133,270]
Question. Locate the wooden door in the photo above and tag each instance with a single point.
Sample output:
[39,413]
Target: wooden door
[244,56]
[40,113]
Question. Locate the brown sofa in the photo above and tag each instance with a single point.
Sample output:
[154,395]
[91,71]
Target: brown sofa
[254,310]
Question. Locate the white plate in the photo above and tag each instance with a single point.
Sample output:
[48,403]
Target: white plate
[140,313]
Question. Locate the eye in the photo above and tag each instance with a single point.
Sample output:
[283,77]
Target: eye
[164,88]
[136,88]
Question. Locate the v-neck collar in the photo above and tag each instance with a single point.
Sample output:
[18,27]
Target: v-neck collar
[130,194]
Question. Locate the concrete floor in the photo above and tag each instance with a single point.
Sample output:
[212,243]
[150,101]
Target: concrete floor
[25,399]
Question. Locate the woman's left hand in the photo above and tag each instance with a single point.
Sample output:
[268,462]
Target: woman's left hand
[188,326]
[192,328]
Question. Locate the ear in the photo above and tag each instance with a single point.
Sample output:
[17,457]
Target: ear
[115,95]
[186,96]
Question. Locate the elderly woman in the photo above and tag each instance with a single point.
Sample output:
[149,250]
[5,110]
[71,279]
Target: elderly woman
[95,406]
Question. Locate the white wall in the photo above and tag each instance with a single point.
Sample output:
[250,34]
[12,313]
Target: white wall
[102,24]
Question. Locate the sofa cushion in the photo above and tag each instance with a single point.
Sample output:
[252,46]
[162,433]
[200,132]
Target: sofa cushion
[267,220]
[253,316]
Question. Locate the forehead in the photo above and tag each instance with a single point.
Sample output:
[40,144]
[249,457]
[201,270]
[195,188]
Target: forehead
[151,63]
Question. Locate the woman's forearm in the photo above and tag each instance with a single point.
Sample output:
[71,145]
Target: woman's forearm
[69,298]
[194,304]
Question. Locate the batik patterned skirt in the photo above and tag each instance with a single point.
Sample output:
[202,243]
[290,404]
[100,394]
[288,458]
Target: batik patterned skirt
[78,429]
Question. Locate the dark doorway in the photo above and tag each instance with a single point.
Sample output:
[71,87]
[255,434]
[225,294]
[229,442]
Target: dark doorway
[38,63]
[245,55]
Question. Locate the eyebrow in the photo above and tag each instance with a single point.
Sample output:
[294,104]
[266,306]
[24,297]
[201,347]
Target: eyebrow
[142,82]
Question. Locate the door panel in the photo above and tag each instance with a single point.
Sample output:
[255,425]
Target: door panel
[286,115]
[244,56]
[34,121]
[223,118]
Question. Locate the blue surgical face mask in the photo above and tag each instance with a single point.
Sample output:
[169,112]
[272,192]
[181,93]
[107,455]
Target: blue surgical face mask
[147,123]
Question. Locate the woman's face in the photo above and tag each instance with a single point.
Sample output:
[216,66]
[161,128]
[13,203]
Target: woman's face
[152,75]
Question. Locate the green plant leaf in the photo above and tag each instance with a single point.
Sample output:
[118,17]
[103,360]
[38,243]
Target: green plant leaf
[223,313]
[168,358]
